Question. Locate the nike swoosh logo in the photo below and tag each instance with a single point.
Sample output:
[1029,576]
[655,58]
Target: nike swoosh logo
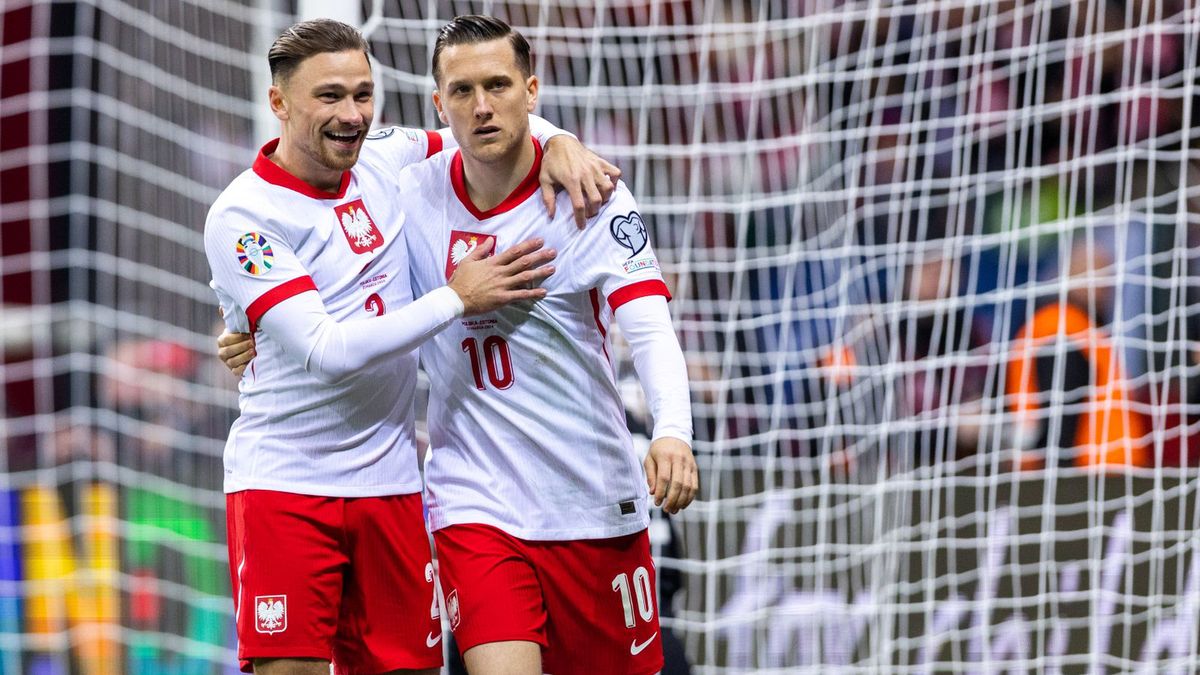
[635,648]
[431,640]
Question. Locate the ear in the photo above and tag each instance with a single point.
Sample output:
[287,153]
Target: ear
[531,92]
[437,103]
[278,102]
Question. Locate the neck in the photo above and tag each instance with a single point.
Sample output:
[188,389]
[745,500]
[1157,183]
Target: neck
[489,183]
[295,162]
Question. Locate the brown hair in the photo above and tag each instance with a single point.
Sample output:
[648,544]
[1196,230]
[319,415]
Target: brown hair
[309,38]
[475,28]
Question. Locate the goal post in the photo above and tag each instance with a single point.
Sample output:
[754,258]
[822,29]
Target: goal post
[933,269]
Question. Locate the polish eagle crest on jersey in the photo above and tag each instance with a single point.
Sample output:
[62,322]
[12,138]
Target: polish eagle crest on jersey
[360,230]
[270,613]
[462,243]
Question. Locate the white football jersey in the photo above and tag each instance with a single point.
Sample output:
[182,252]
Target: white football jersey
[526,426]
[269,237]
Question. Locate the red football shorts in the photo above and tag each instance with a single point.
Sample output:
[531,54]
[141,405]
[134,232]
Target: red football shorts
[342,579]
[589,603]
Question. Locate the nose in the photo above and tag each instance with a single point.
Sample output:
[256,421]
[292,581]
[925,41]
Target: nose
[351,112]
[483,107]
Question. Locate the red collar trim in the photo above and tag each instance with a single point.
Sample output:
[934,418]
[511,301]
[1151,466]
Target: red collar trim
[277,175]
[527,187]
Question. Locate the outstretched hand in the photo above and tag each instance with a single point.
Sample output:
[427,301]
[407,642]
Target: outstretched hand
[588,179]
[671,474]
[487,283]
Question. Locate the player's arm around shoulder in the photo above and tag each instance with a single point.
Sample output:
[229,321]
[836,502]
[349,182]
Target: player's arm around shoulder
[399,147]
[587,178]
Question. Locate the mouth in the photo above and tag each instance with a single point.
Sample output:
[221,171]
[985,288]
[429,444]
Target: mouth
[486,131]
[344,138]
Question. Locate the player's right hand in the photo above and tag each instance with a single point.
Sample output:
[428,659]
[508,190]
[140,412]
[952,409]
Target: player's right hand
[235,350]
[485,284]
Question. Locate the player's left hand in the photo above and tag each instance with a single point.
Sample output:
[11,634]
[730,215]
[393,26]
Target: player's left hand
[671,474]
[588,179]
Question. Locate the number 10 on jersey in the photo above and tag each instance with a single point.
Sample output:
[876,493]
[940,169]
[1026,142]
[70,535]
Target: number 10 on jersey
[495,359]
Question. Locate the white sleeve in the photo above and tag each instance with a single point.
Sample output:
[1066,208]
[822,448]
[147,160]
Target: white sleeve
[399,147]
[332,351]
[646,324]
[543,131]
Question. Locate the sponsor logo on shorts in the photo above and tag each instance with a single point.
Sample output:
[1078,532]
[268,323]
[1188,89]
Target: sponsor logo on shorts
[270,613]
[431,640]
[635,648]
[452,609]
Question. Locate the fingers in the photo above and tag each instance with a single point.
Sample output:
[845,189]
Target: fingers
[684,481]
[672,476]
[663,486]
[235,350]
[514,253]
[611,170]
[594,200]
[548,196]
[482,250]
[227,339]
[607,186]
[580,206]
[651,472]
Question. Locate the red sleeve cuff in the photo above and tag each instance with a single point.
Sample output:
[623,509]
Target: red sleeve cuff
[433,144]
[275,296]
[637,290]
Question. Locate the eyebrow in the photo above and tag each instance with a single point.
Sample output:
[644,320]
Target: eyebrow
[486,80]
[323,87]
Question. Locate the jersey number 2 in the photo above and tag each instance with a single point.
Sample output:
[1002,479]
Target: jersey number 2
[374,305]
[495,358]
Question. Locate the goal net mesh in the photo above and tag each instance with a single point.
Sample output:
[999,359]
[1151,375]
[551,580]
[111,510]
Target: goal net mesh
[933,269]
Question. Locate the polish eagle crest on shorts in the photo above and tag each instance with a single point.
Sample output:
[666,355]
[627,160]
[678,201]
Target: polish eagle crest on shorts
[360,230]
[452,609]
[270,613]
[462,243]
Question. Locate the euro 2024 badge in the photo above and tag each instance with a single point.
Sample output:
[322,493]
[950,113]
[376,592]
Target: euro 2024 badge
[270,613]
[254,253]
[462,244]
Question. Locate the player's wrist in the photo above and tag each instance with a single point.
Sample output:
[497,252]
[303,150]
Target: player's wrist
[676,434]
[453,301]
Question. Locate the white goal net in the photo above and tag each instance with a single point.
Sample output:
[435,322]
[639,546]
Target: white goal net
[932,266]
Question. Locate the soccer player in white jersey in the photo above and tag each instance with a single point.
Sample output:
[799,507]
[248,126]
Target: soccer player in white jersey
[536,498]
[328,551]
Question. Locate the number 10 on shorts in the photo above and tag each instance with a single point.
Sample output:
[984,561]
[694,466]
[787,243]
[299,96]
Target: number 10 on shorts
[641,589]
